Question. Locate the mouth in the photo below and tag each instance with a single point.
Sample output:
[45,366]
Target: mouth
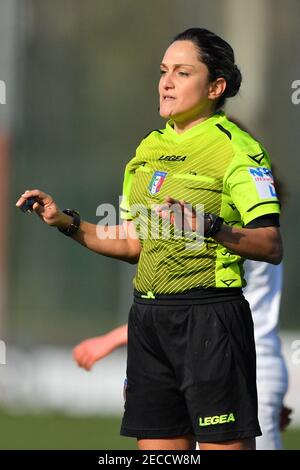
[168,98]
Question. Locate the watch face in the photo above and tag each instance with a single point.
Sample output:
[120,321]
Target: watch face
[207,224]
[72,228]
[74,225]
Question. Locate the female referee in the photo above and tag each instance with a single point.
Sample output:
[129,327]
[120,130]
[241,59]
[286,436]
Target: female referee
[191,369]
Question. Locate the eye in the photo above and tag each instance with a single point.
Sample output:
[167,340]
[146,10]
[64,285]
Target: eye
[162,72]
[183,74]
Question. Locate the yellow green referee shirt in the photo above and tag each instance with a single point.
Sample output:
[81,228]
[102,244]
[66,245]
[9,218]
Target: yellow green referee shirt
[215,164]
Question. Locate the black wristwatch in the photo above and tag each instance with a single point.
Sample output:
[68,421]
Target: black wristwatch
[216,223]
[74,225]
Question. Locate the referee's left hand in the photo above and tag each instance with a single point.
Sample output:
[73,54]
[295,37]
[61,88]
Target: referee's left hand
[183,214]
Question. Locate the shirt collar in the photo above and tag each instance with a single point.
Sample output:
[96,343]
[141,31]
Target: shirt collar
[197,129]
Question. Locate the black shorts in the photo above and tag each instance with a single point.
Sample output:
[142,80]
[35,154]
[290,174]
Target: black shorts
[191,369]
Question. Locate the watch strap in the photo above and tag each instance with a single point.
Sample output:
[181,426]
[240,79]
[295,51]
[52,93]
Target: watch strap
[74,225]
[216,223]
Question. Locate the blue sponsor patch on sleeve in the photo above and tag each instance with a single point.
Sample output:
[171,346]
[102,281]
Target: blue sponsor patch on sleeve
[264,182]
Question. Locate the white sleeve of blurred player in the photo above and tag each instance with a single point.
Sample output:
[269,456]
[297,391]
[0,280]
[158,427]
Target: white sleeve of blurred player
[263,292]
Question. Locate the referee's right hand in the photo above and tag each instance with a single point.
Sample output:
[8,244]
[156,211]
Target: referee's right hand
[45,207]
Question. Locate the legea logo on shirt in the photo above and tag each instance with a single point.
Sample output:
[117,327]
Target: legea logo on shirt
[264,182]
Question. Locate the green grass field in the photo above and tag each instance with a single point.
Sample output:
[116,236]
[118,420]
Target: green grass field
[63,432]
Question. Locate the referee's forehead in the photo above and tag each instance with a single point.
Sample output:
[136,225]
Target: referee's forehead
[181,53]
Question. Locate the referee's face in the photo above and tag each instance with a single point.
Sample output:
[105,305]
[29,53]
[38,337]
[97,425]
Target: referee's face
[184,84]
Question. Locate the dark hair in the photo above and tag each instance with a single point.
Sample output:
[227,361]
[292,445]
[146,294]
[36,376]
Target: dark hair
[218,56]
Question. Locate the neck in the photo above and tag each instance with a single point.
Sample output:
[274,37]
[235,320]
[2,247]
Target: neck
[185,124]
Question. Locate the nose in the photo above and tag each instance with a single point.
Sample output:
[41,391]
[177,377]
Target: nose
[167,81]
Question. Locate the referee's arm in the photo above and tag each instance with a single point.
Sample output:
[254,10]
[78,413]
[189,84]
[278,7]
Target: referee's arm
[260,240]
[260,244]
[118,241]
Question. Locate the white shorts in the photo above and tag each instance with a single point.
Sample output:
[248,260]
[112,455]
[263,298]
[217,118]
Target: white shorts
[269,409]
[272,383]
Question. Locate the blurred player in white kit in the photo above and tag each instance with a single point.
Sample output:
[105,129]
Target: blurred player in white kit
[263,292]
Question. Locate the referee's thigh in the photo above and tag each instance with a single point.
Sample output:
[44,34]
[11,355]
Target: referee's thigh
[176,443]
[155,406]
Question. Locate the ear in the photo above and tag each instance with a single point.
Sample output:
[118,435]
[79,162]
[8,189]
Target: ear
[217,88]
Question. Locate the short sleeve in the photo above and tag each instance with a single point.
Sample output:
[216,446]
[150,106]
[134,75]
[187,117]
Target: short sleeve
[251,187]
[125,213]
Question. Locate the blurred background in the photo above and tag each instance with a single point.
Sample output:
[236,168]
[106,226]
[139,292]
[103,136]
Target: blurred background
[78,91]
